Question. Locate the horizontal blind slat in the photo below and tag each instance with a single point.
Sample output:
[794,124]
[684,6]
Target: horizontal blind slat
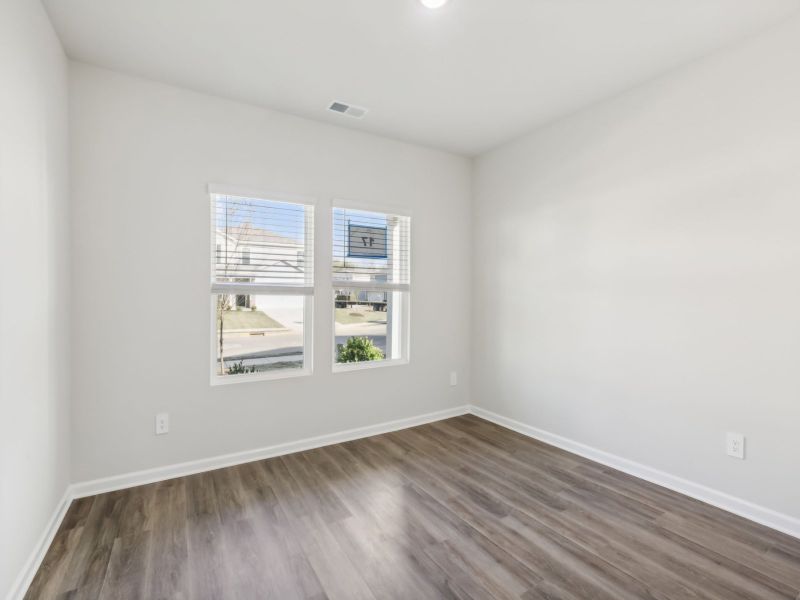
[256,290]
[371,249]
[262,242]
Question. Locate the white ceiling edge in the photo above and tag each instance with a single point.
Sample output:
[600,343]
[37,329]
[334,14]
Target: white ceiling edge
[282,112]
[664,75]
[435,124]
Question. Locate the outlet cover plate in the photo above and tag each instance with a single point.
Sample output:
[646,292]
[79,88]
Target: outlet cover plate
[734,445]
[162,423]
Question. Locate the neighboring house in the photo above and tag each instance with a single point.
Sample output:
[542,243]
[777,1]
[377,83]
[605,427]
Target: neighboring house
[245,254]
[347,298]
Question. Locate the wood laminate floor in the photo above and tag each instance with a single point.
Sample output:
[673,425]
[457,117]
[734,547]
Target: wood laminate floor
[461,508]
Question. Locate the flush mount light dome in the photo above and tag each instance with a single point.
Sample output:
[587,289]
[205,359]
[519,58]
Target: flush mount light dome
[433,3]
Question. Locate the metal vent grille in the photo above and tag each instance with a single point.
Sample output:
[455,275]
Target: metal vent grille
[356,112]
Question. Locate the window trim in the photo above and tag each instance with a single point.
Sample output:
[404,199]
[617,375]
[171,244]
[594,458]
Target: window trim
[405,339]
[259,194]
[383,208]
[369,364]
[307,292]
[405,288]
[308,342]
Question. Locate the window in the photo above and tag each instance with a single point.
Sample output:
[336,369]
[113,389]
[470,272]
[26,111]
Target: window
[371,279]
[261,286]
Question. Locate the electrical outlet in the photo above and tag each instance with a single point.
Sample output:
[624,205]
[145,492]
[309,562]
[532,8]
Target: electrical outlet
[735,445]
[162,423]
[453,378]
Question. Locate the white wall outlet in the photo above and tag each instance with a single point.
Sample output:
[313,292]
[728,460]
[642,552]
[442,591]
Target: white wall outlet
[734,443]
[453,378]
[162,423]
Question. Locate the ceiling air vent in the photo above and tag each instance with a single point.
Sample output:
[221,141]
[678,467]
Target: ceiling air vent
[348,109]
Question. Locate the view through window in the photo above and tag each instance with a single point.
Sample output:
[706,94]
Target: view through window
[262,286]
[371,286]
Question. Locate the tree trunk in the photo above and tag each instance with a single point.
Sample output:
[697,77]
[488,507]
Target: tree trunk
[221,354]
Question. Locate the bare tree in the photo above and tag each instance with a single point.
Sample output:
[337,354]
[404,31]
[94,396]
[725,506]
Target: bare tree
[223,304]
[225,301]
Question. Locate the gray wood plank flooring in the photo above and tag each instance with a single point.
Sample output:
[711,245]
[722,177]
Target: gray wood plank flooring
[461,508]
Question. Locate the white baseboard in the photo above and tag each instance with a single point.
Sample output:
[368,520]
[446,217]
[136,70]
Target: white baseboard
[743,508]
[760,514]
[119,482]
[25,577]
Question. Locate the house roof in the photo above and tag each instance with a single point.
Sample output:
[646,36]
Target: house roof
[248,234]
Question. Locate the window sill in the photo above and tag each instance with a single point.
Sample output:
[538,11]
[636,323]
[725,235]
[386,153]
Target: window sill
[372,364]
[264,376]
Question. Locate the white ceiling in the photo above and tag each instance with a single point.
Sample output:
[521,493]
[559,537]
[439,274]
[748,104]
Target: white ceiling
[463,78]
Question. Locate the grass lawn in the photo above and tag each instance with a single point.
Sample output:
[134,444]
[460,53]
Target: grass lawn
[248,319]
[346,316]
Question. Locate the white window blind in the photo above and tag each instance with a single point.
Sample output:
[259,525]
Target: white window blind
[371,250]
[262,246]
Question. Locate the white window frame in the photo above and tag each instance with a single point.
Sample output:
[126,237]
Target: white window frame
[307,292]
[404,337]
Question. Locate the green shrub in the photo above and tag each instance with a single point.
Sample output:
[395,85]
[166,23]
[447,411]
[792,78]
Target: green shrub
[240,369]
[358,349]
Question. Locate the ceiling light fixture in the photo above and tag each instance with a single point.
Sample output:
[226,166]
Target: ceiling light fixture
[433,3]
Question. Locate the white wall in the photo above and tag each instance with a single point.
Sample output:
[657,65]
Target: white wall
[34,270]
[142,155]
[637,273]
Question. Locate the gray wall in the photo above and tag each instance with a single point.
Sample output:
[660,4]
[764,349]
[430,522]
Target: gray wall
[637,273]
[34,282]
[142,155]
